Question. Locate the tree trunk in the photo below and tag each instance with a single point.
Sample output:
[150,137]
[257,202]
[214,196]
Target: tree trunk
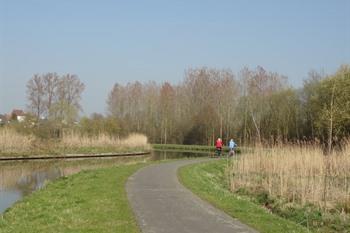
[256,128]
[330,131]
[221,127]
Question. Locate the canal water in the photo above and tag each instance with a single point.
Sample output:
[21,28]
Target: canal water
[20,178]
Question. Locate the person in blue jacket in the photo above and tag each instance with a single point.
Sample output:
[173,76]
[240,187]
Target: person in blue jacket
[232,146]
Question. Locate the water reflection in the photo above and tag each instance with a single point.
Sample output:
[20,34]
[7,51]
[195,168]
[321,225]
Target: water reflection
[164,155]
[20,178]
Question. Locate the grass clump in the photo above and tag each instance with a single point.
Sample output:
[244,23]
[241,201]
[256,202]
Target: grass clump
[90,201]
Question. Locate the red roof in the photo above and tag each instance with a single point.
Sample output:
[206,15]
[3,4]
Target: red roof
[18,112]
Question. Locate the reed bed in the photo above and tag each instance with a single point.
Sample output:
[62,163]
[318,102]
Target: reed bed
[14,143]
[11,141]
[73,139]
[296,174]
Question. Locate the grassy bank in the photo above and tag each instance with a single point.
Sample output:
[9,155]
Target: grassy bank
[90,201]
[210,182]
[189,148]
[13,143]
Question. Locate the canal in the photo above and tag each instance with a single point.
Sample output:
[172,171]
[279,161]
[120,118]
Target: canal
[20,178]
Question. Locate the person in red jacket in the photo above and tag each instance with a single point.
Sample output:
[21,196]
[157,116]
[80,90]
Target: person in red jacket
[218,146]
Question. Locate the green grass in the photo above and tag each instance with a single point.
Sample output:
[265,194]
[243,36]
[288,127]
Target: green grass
[208,181]
[189,148]
[90,201]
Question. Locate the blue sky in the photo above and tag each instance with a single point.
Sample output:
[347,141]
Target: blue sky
[105,42]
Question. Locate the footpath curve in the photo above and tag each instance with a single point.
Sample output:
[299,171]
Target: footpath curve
[163,205]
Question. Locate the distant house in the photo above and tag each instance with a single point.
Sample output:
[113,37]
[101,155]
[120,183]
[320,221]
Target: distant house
[18,115]
[3,119]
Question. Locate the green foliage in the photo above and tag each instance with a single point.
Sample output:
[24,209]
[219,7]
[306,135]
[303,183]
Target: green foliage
[263,198]
[99,124]
[195,135]
[63,112]
[333,101]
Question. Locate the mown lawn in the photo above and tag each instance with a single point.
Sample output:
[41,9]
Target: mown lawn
[90,201]
[208,181]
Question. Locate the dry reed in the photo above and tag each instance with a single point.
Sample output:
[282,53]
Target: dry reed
[11,141]
[73,140]
[298,174]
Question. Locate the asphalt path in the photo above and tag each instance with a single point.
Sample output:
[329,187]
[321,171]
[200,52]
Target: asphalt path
[162,205]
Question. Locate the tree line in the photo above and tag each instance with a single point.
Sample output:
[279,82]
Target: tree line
[253,106]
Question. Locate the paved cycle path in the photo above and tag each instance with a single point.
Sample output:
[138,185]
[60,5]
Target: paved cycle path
[163,205]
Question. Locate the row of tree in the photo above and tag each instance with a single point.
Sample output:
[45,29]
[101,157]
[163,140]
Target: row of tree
[252,106]
[55,97]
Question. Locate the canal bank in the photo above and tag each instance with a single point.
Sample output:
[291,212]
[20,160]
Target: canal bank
[20,178]
[72,156]
[90,201]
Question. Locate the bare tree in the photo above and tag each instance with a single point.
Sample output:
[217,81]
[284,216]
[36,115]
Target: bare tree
[259,107]
[36,95]
[56,97]
[67,106]
[167,95]
[51,84]
[70,90]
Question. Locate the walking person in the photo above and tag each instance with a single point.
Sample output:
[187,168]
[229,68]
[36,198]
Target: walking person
[232,146]
[218,146]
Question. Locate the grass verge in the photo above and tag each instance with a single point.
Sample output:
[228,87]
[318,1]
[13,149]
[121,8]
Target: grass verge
[189,148]
[90,201]
[209,181]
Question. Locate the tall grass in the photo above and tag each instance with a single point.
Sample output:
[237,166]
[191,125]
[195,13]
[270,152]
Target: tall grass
[296,174]
[15,143]
[11,141]
[73,139]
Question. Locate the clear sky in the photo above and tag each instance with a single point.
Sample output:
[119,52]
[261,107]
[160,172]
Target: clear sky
[105,42]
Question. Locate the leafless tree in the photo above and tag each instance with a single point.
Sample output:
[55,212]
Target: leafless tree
[70,89]
[260,106]
[56,97]
[36,95]
[51,84]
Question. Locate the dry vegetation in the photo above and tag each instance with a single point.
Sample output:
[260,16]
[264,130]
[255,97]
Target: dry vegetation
[11,142]
[72,140]
[299,175]
[14,143]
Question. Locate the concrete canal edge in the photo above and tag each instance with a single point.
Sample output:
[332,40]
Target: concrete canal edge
[74,156]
